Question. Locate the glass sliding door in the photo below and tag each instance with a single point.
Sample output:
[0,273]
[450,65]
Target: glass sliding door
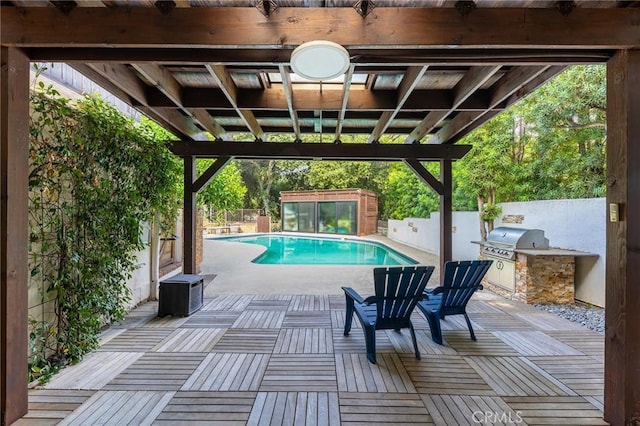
[289,216]
[327,217]
[298,217]
[346,217]
[306,217]
[338,217]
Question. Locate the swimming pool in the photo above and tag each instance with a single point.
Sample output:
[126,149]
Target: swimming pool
[295,250]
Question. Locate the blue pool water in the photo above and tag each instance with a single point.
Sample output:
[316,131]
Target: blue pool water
[294,250]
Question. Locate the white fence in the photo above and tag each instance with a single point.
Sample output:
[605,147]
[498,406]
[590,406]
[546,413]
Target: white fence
[569,224]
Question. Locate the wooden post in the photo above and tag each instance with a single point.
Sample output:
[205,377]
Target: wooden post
[622,314]
[446,209]
[14,166]
[189,255]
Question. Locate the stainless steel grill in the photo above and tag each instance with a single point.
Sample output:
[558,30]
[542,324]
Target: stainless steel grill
[503,241]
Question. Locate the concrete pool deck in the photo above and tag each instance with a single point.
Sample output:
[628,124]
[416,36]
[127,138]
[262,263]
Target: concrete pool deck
[235,274]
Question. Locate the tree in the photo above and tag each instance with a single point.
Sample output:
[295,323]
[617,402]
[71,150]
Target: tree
[226,191]
[551,145]
[490,172]
[568,116]
[406,195]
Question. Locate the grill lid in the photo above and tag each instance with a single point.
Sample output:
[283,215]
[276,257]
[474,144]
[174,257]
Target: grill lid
[517,238]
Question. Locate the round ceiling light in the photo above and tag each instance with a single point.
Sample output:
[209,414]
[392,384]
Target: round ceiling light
[319,60]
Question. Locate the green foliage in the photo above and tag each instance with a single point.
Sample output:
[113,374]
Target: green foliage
[490,212]
[226,191]
[94,177]
[549,146]
[406,195]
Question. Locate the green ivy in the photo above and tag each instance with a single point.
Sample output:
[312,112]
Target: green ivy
[95,176]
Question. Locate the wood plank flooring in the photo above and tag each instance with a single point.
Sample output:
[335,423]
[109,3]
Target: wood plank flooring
[284,359]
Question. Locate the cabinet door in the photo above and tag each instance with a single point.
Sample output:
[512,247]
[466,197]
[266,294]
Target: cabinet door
[502,273]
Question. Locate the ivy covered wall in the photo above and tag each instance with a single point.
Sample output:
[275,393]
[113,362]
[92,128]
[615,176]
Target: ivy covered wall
[95,176]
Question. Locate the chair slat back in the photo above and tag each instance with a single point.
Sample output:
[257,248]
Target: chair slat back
[461,280]
[398,289]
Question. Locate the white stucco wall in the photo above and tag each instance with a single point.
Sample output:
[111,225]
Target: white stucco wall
[571,224]
[424,234]
[140,281]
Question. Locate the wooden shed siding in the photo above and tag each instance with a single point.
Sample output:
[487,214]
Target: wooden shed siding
[367,204]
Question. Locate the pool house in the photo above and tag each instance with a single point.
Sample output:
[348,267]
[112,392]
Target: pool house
[334,211]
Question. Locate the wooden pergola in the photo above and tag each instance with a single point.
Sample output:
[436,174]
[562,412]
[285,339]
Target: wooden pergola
[429,70]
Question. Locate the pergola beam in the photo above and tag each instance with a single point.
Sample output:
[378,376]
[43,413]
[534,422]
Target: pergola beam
[622,316]
[288,94]
[370,59]
[508,85]
[472,81]
[436,27]
[224,80]
[14,217]
[346,92]
[316,151]
[211,172]
[408,84]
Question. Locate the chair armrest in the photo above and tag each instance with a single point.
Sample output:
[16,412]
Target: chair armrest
[349,292]
[371,300]
[433,291]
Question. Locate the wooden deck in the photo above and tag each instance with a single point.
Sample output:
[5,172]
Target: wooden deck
[283,359]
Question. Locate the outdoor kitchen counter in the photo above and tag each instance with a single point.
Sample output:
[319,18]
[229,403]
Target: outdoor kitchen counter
[555,252]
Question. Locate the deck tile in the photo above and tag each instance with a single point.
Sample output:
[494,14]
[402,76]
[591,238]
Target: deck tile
[556,410]
[138,316]
[403,344]
[157,371]
[535,343]
[295,408]
[304,341]
[500,322]
[229,302]
[228,372]
[462,410]
[120,408]
[512,376]
[356,374]
[259,319]
[547,321]
[190,340]
[264,304]
[586,341]
[583,374]
[445,375]
[315,319]
[247,340]
[486,344]
[136,340]
[309,303]
[211,319]
[283,359]
[295,372]
[358,408]
[211,408]
[354,342]
[337,320]
[94,372]
[49,407]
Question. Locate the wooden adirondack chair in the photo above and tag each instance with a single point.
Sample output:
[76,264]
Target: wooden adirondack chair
[461,280]
[397,290]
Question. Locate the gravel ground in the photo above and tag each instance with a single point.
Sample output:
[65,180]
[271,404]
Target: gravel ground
[589,316]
